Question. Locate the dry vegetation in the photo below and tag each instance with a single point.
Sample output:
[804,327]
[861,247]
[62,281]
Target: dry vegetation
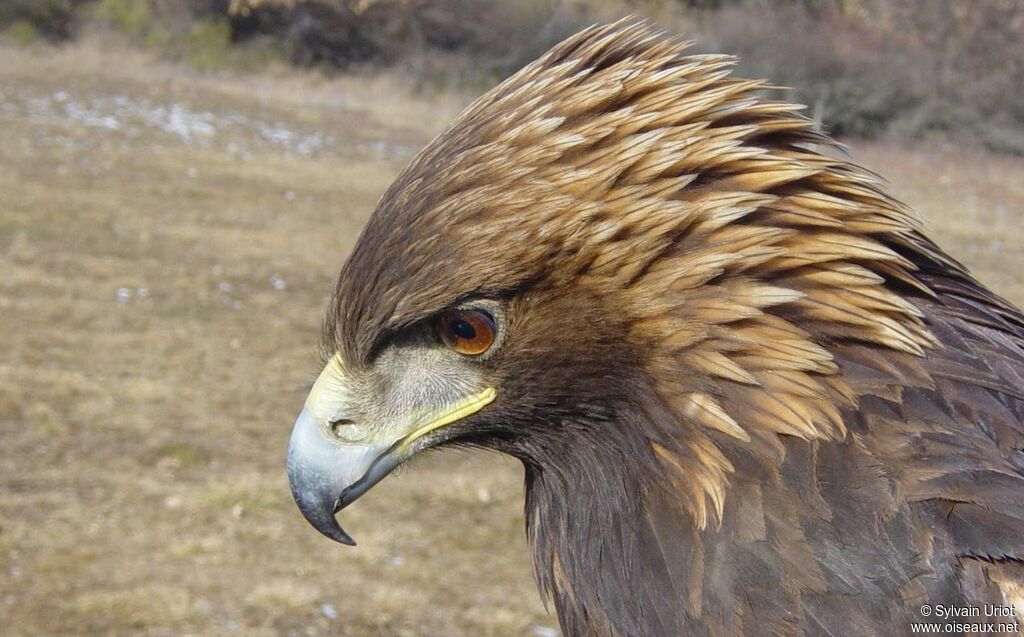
[166,242]
[879,69]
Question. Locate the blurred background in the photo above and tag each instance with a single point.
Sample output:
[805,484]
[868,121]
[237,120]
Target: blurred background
[180,181]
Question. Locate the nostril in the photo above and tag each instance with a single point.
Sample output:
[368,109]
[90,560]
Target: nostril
[347,430]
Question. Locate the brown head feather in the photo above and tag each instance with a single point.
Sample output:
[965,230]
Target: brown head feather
[697,209]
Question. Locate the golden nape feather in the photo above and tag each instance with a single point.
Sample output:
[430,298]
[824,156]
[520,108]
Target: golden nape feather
[782,407]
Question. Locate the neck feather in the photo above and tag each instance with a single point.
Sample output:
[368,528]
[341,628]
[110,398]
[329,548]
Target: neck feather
[593,520]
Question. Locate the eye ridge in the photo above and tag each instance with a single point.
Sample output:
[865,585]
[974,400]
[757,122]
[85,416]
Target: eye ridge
[469,332]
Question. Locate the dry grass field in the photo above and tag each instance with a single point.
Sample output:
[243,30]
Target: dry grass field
[167,241]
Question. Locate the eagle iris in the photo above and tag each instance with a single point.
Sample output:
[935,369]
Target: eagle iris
[468,332]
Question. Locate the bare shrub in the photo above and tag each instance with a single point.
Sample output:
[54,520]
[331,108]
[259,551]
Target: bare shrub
[894,68]
[53,19]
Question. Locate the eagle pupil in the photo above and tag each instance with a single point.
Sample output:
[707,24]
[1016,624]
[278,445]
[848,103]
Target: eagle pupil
[463,329]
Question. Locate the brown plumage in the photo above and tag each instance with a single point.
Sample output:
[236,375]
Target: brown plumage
[751,397]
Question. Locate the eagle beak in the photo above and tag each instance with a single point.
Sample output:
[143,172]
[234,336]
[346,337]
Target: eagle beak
[327,472]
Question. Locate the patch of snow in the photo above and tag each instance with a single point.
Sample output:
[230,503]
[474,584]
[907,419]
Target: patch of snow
[329,611]
[132,116]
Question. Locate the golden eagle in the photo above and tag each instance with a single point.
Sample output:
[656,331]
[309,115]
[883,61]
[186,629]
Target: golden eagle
[751,397]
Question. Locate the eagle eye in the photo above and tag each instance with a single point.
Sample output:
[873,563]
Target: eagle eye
[468,332]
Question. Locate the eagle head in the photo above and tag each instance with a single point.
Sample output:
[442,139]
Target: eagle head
[624,267]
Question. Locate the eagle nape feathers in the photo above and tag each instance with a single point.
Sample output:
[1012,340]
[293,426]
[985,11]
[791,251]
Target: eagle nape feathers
[751,397]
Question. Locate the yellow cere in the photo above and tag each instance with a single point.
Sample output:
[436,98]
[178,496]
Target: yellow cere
[329,392]
[468,407]
[327,398]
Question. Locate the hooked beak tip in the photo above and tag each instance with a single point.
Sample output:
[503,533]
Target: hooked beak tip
[321,513]
[338,534]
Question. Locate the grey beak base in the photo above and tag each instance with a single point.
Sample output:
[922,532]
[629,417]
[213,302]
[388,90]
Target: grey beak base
[326,474]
